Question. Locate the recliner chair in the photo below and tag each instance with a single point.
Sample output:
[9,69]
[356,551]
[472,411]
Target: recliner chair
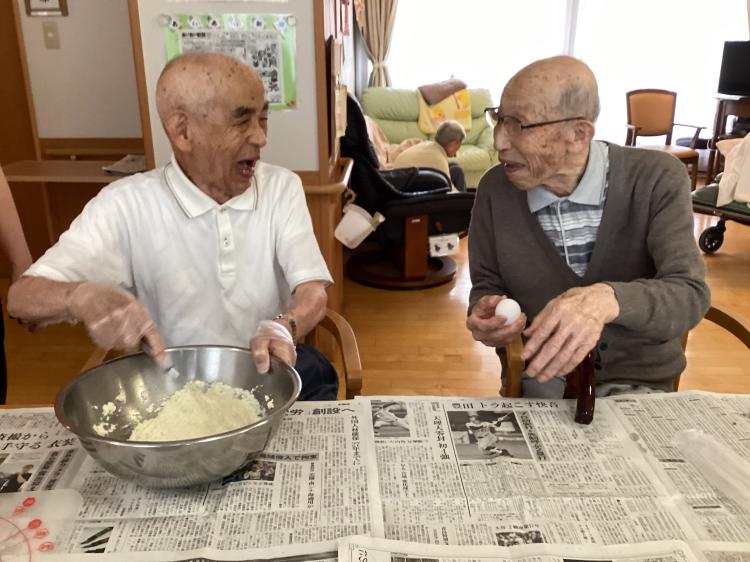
[416,203]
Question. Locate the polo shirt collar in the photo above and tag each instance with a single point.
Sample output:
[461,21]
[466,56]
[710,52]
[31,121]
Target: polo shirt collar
[195,202]
[589,190]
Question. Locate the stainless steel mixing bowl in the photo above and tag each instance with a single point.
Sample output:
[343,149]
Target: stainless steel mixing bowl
[144,385]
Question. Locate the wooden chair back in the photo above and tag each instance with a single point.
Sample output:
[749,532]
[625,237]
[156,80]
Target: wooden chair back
[651,111]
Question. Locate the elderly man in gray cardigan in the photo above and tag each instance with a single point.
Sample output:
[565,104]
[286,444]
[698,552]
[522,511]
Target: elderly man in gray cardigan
[593,240]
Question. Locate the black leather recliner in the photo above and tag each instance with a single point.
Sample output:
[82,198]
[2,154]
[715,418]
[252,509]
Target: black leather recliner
[416,203]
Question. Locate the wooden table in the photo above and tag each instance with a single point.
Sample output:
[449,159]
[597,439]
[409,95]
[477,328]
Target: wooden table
[58,171]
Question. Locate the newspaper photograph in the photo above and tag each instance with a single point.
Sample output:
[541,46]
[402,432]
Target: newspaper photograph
[366,549]
[494,471]
[315,482]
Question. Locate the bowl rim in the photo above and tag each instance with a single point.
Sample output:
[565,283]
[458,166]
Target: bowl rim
[65,421]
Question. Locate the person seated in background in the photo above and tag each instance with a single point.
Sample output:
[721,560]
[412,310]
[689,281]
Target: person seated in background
[594,240]
[13,246]
[215,247]
[435,153]
[386,151]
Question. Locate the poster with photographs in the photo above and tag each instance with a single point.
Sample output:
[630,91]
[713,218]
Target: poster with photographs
[266,43]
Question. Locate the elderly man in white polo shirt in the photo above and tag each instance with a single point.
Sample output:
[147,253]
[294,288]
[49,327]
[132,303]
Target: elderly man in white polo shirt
[216,247]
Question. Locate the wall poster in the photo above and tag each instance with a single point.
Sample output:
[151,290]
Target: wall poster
[266,43]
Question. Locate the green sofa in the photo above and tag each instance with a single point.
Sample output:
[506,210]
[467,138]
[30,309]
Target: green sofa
[396,111]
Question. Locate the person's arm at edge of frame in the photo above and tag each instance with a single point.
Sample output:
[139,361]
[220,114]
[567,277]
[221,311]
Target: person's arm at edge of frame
[12,241]
[677,298]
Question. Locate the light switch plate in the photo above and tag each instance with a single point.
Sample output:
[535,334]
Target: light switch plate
[51,35]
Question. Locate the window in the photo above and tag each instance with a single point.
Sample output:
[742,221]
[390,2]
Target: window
[669,44]
[629,44]
[477,41]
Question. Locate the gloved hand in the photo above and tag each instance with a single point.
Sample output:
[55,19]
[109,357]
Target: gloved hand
[271,338]
[115,319]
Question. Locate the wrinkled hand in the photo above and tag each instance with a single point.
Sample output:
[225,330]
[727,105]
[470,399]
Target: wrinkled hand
[115,319]
[489,329]
[567,329]
[272,338]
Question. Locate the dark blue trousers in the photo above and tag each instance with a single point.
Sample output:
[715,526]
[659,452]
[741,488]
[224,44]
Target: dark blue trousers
[319,378]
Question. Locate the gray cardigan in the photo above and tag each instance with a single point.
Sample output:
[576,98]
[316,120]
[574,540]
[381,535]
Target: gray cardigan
[644,249]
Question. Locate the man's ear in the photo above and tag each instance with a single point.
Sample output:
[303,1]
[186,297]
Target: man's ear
[583,132]
[177,127]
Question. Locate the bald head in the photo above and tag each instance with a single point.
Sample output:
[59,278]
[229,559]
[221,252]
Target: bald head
[214,112]
[195,82]
[555,88]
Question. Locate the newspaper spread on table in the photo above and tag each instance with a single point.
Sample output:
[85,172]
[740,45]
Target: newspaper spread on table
[314,483]
[368,549]
[434,471]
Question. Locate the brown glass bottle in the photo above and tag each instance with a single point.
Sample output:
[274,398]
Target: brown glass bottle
[581,384]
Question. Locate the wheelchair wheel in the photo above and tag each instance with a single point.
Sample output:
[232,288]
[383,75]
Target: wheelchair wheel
[711,239]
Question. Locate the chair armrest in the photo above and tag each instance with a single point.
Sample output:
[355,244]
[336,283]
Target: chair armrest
[416,182]
[736,324]
[512,387]
[696,136]
[632,135]
[342,332]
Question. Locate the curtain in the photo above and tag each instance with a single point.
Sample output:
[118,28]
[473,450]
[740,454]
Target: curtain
[375,22]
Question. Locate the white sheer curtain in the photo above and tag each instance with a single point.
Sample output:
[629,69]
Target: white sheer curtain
[630,44]
[669,44]
[482,42]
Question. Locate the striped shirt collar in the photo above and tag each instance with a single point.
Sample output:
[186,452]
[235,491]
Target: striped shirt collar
[589,190]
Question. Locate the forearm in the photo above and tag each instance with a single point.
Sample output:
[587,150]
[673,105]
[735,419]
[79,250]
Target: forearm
[661,308]
[38,300]
[308,306]
[12,241]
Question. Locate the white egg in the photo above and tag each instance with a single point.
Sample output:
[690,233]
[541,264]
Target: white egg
[508,308]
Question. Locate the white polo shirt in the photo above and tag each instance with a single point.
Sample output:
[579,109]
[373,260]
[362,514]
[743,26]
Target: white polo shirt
[207,273]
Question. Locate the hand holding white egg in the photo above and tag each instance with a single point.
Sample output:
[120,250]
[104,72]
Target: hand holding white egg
[508,308]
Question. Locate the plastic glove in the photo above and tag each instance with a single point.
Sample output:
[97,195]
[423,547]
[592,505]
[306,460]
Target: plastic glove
[272,338]
[115,319]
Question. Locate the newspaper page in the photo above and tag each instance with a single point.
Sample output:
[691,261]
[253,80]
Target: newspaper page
[724,551]
[315,482]
[653,420]
[494,471]
[366,549]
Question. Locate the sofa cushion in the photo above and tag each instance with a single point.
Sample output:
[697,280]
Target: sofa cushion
[472,158]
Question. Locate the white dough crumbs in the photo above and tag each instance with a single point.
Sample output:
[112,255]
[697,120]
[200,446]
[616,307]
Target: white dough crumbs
[108,409]
[198,410]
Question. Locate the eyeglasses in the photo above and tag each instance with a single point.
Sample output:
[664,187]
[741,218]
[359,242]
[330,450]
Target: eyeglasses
[512,125]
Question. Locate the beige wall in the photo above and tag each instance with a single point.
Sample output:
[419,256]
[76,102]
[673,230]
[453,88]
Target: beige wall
[86,88]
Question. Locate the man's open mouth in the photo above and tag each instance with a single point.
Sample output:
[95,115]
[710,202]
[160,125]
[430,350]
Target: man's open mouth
[511,167]
[246,168]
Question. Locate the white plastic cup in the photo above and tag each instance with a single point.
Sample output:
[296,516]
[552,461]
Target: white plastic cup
[356,225]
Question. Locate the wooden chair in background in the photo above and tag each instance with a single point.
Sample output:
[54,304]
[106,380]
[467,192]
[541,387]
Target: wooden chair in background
[651,114]
[333,325]
[735,324]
